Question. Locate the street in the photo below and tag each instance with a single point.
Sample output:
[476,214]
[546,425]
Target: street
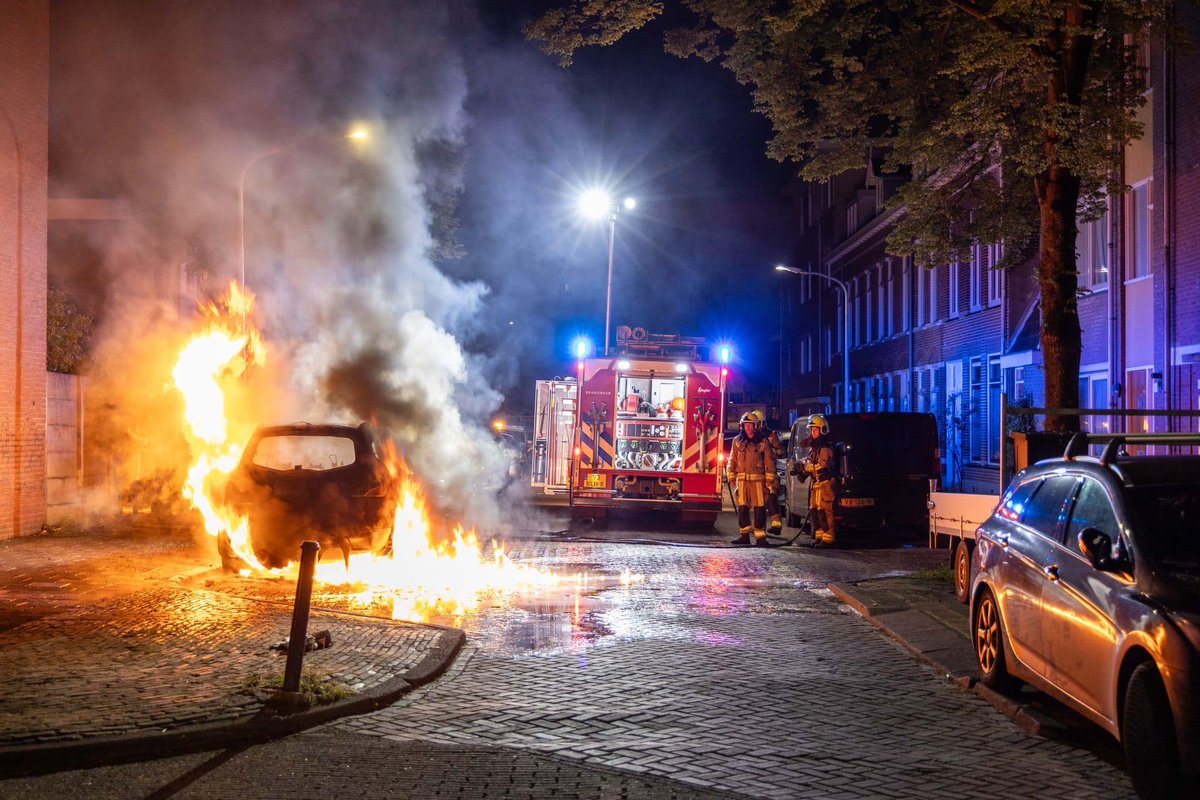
[721,672]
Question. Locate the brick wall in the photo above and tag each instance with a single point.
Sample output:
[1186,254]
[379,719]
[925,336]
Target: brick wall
[24,99]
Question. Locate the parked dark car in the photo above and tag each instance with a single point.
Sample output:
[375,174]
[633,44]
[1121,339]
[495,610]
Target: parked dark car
[884,462]
[1087,586]
[328,483]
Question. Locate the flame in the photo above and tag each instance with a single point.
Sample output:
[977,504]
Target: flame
[417,577]
[222,350]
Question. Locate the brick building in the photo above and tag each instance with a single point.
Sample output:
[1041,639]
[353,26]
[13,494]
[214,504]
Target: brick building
[24,124]
[952,339]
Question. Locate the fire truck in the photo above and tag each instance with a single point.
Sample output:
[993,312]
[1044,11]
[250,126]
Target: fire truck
[647,432]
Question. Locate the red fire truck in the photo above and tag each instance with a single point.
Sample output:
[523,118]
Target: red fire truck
[648,428]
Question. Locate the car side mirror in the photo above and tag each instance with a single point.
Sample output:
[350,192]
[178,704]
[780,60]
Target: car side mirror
[1097,548]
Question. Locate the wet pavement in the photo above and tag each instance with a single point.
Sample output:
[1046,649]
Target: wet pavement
[709,671]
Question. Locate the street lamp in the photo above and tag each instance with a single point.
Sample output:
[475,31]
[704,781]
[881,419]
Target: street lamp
[358,134]
[845,326]
[597,203]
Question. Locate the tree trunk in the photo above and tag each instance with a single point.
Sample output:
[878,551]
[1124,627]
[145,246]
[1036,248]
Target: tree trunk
[1058,196]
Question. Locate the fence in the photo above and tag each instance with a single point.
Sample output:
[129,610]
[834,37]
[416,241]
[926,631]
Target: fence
[1105,417]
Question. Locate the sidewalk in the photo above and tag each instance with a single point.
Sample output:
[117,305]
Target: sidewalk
[924,616]
[165,667]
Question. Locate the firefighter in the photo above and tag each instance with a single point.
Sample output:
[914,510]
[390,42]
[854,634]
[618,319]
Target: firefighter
[751,466]
[819,464]
[775,523]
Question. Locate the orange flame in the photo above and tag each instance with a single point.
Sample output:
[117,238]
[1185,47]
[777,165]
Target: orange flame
[418,578]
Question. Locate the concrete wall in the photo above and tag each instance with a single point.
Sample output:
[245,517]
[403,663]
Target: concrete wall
[24,121]
[64,446]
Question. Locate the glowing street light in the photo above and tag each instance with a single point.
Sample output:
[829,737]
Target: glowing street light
[597,204]
[358,134]
[845,326]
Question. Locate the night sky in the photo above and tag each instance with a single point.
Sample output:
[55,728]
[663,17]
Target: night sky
[695,257]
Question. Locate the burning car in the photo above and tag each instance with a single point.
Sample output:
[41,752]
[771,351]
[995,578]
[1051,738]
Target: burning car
[325,482]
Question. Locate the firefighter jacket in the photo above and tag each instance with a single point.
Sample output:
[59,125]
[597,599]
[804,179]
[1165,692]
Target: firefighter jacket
[774,442]
[751,466]
[819,461]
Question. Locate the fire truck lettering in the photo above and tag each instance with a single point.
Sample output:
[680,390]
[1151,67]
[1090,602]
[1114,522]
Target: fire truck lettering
[703,390]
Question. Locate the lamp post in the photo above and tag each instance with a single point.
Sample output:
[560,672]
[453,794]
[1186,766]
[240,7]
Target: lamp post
[358,134]
[845,326]
[597,203]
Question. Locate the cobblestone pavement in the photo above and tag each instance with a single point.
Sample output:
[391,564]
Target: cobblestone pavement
[722,672]
[726,671]
[102,639]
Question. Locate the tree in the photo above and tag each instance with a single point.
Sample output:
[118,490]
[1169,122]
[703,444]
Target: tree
[997,110]
[67,331]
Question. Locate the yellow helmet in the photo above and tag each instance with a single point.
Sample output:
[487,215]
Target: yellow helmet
[819,421]
[758,415]
[748,417]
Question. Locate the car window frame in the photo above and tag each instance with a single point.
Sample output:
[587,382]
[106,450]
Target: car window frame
[1084,480]
[1055,535]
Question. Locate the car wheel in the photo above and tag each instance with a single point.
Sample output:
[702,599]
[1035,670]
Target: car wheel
[1148,736]
[989,643]
[962,571]
[230,562]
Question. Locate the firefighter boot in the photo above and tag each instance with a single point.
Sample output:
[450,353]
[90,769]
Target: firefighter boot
[743,540]
[776,523]
[760,539]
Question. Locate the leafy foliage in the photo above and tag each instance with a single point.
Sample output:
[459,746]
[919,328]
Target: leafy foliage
[67,332]
[1008,116]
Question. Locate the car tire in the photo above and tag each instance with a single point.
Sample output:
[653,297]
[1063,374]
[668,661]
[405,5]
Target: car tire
[988,631]
[1148,736]
[962,571]
[230,562]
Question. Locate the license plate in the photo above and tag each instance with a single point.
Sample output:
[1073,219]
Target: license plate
[594,480]
[857,502]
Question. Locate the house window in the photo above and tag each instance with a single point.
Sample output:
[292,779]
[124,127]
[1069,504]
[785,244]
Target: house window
[1093,393]
[926,296]
[1138,234]
[905,266]
[993,409]
[857,319]
[975,295]
[952,280]
[869,317]
[828,346]
[891,299]
[995,276]
[1092,250]
[976,412]
[881,306]
[851,218]
[1018,375]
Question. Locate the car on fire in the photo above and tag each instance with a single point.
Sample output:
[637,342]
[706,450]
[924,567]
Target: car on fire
[324,482]
[1087,586]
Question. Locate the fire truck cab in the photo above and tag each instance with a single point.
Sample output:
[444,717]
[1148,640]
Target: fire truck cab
[648,429]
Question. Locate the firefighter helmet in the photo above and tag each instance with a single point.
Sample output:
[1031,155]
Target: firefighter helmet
[749,418]
[758,416]
[819,421]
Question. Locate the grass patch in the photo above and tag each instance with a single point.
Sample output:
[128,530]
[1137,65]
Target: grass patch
[942,573]
[316,689]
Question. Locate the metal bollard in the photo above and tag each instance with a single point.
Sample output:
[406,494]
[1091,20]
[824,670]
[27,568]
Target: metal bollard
[299,635]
